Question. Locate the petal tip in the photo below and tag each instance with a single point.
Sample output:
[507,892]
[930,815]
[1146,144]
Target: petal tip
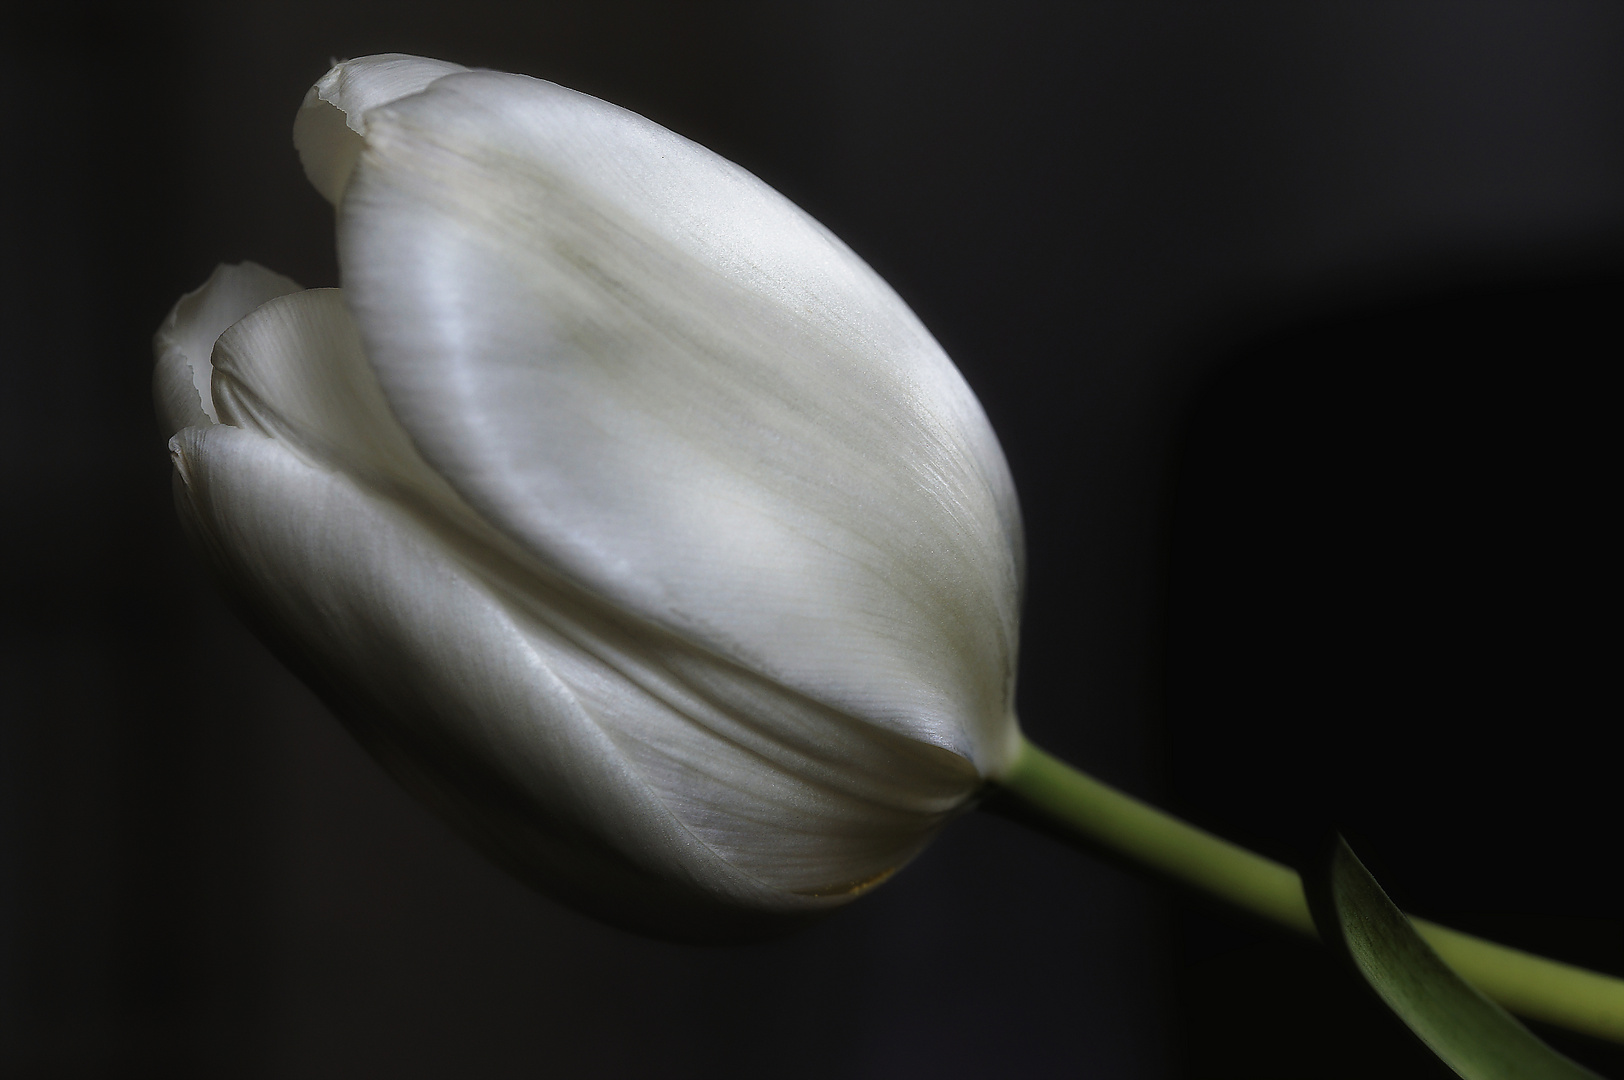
[330,127]
[183,375]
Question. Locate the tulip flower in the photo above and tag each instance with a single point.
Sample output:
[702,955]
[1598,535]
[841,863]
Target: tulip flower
[619,509]
[630,520]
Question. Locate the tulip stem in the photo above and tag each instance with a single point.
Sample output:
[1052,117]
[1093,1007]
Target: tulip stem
[1063,799]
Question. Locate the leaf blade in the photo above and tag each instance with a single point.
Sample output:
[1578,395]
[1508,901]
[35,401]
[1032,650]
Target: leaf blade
[1475,1037]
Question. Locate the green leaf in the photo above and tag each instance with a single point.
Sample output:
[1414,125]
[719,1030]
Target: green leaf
[1470,1033]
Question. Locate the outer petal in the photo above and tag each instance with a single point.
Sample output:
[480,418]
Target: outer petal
[182,378]
[470,669]
[671,386]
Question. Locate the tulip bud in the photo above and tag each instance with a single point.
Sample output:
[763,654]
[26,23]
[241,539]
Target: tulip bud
[618,508]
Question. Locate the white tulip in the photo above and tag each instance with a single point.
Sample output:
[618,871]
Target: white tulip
[619,508]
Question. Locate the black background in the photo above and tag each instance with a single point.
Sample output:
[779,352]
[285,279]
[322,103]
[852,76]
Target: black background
[1293,320]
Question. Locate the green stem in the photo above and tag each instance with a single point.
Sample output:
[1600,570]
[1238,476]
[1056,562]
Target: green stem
[1100,815]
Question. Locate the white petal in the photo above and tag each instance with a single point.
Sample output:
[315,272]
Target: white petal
[181,379]
[673,387]
[797,800]
[328,128]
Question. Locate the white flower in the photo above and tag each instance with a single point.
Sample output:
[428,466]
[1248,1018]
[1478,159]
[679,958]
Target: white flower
[619,509]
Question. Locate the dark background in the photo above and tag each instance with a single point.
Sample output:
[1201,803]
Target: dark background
[1293,320]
